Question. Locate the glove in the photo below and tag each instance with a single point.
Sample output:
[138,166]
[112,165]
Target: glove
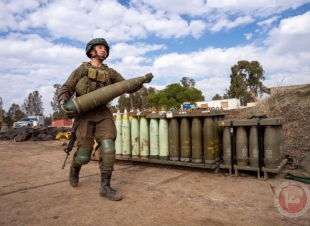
[64,108]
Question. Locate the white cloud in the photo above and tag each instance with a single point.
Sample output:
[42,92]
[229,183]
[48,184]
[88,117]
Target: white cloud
[121,50]
[292,35]
[265,25]
[227,7]
[34,55]
[197,27]
[296,25]
[268,22]
[224,23]
[248,36]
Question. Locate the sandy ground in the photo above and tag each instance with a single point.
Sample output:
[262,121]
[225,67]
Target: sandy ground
[34,190]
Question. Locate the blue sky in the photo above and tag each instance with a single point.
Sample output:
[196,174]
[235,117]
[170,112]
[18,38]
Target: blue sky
[42,42]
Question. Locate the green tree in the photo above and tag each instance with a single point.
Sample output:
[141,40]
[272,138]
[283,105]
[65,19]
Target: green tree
[57,113]
[33,105]
[135,100]
[225,96]
[246,81]
[4,117]
[144,93]
[124,102]
[217,97]
[174,95]
[188,82]
[14,114]
[48,120]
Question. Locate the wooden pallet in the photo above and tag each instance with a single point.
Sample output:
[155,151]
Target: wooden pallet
[131,160]
[265,171]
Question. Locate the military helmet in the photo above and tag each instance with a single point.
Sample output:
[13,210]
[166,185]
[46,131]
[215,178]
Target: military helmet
[97,41]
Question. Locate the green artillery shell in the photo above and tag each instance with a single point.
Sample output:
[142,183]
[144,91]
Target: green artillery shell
[126,149]
[216,139]
[185,138]
[135,137]
[254,147]
[154,138]
[118,141]
[174,136]
[241,146]
[208,138]
[196,134]
[227,146]
[105,94]
[271,151]
[220,133]
[144,138]
[163,139]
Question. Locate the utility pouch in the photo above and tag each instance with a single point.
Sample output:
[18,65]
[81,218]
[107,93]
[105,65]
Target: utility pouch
[103,77]
[92,85]
[82,85]
[85,85]
[92,73]
[92,79]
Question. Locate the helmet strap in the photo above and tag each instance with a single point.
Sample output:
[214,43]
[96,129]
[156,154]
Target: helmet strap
[96,55]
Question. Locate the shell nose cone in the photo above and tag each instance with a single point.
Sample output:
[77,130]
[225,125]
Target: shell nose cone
[149,77]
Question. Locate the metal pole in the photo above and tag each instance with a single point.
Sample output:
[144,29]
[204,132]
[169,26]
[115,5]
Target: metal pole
[232,145]
[260,144]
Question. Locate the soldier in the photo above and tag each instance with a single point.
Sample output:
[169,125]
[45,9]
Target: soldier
[94,124]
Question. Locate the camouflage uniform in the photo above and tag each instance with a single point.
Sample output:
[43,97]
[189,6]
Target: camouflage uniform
[95,124]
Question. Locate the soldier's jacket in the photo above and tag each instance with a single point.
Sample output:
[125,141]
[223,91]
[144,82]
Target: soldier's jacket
[87,78]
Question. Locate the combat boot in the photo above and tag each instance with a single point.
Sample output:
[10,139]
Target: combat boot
[108,192]
[74,174]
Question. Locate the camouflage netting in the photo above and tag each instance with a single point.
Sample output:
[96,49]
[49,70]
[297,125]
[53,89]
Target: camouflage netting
[34,134]
[302,173]
[294,107]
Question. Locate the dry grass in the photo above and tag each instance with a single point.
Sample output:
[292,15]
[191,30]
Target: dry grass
[294,106]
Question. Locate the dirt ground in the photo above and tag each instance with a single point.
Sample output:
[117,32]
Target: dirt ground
[34,190]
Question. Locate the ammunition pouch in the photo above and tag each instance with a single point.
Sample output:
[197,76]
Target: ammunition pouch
[92,79]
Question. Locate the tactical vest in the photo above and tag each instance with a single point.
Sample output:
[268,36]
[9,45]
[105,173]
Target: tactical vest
[93,78]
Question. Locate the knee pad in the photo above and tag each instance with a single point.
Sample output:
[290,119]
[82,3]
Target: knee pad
[107,150]
[83,156]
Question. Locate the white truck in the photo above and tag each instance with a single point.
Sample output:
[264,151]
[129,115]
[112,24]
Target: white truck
[29,121]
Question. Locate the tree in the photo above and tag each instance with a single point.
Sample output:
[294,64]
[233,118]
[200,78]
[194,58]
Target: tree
[33,105]
[174,95]
[225,96]
[246,81]
[135,100]
[188,82]
[48,120]
[144,92]
[123,102]
[57,113]
[113,108]
[4,117]
[14,114]
[217,97]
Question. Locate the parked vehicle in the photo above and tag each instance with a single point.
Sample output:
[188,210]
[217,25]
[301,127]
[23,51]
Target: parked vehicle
[29,121]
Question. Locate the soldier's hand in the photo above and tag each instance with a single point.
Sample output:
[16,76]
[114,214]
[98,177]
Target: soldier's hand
[64,108]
